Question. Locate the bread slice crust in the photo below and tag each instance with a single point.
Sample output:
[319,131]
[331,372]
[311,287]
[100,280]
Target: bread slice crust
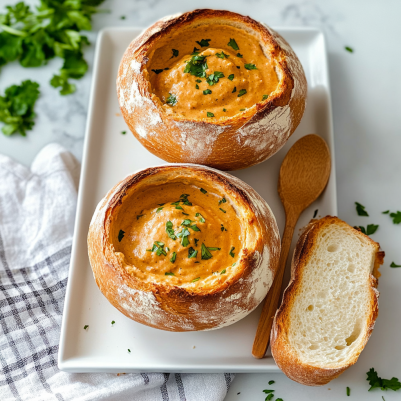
[284,354]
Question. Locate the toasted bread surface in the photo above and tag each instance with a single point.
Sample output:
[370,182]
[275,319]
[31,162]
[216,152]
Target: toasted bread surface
[331,304]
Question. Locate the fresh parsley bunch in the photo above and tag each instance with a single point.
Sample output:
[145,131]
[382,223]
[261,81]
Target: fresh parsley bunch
[53,30]
[16,107]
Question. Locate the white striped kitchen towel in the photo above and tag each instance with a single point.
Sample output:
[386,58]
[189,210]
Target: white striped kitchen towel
[37,210]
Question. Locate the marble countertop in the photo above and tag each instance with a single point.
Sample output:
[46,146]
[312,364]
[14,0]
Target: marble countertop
[367,118]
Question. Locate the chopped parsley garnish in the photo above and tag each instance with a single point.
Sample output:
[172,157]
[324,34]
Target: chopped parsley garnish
[396,217]
[121,235]
[348,391]
[239,55]
[242,109]
[198,81]
[123,132]
[205,252]
[231,253]
[201,218]
[169,273]
[171,100]
[170,230]
[139,216]
[192,253]
[195,52]
[158,71]
[86,326]
[113,322]
[222,200]
[370,229]
[394,265]
[184,236]
[175,53]
[209,114]
[195,279]
[212,79]
[185,214]
[377,382]
[207,92]
[158,248]
[161,204]
[242,92]
[186,222]
[197,240]
[250,66]
[222,55]
[232,43]
[214,249]
[167,68]
[349,49]
[203,42]
[158,209]
[234,90]
[195,227]
[223,271]
[122,17]
[231,77]
[386,212]
[271,382]
[197,66]
[172,260]
[203,191]
[222,228]
[184,200]
[238,67]
[268,391]
[129,351]
[222,210]
[315,214]
[197,86]
[179,207]
[264,97]
[234,264]
[361,210]
[224,110]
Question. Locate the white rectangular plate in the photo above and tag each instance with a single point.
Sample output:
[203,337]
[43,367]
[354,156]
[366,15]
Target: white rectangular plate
[108,157]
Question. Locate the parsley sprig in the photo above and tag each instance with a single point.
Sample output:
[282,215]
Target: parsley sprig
[197,66]
[384,384]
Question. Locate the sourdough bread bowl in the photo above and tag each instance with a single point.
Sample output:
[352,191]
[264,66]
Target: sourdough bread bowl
[211,87]
[330,306]
[183,247]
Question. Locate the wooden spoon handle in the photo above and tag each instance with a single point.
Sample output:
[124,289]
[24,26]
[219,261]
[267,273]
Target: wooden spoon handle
[272,299]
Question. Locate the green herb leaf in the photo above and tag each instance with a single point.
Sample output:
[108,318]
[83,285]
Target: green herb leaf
[203,191]
[222,200]
[348,391]
[234,264]
[172,260]
[396,217]
[139,216]
[123,132]
[242,109]
[201,218]
[171,100]
[232,43]
[250,66]
[371,229]
[198,81]
[361,210]
[264,97]
[86,326]
[195,227]
[231,253]
[223,271]
[121,235]
[196,241]
[239,55]
[207,92]
[222,55]
[197,66]
[222,228]
[231,77]
[158,209]
[222,210]
[203,42]
[129,351]
[113,322]
[179,207]
[386,212]
[269,397]
[242,92]
[195,279]
[17,107]
[394,265]
[268,391]
[224,110]
[175,53]
[209,114]
[197,86]
[192,253]
[205,252]
[213,249]
[122,17]
[158,71]
[186,222]
[349,49]
[234,90]
[315,213]
[195,52]
[169,273]
[377,382]
[170,230]
[212,79]
[271,382]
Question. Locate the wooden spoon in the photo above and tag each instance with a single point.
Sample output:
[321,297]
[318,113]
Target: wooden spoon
[303,177]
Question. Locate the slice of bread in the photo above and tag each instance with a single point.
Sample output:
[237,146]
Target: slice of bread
[331,304]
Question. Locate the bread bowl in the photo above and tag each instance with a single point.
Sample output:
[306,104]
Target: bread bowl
[211,87]
[330,306]
[183,247]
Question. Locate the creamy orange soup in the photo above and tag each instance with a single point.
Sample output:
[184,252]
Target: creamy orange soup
[178,233]
[211,72]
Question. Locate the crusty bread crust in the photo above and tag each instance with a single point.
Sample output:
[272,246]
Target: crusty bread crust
[283,353]
[168,307]
[234,143]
